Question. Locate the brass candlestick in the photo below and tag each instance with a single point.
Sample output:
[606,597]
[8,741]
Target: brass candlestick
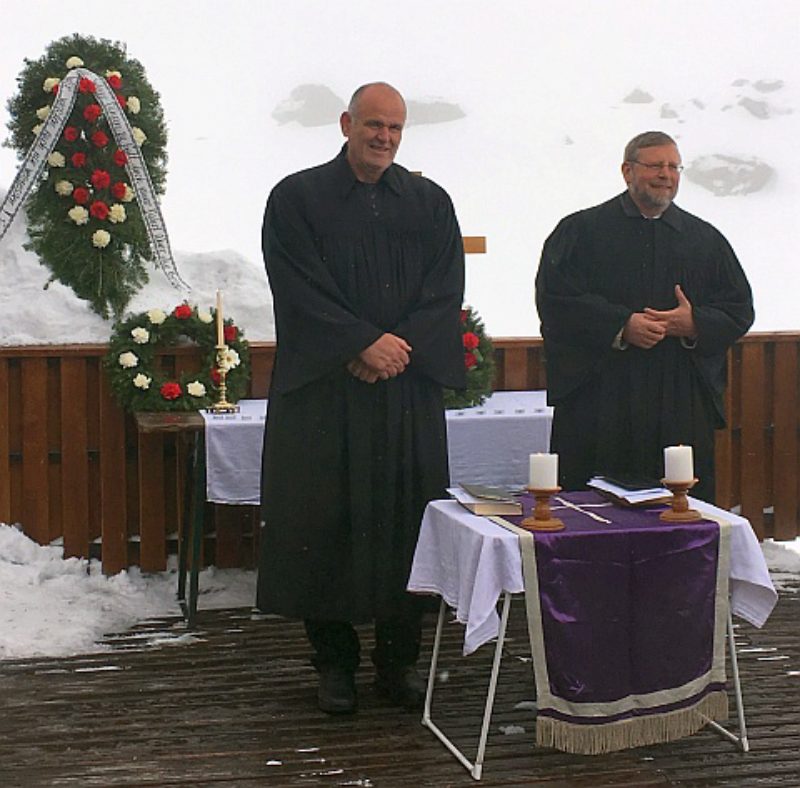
[541,519]
[222,405]
[680,511]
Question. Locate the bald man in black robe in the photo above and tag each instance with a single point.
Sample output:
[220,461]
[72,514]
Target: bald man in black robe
[366,266]
[639,302]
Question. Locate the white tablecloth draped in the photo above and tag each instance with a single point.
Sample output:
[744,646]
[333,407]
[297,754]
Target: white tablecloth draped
[489,444]
[469,561]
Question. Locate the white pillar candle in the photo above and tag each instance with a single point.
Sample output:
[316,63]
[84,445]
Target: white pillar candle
[220,330]
[544,471]
[678,464]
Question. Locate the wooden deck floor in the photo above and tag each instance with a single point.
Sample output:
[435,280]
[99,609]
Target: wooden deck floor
[233,704]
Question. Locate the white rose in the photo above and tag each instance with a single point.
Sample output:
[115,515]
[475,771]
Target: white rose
[74,62]
[129,193]
[141,336]
[116,213]
[78,214]
[128,359]
[204,316]
[157,316]
[113,74]
[134,105]
[139,136]
[141,381]
[64,188]
[50,83]
[101,239]
[196,389]
[43,112]
[229,360]
[56,159]
[37,130]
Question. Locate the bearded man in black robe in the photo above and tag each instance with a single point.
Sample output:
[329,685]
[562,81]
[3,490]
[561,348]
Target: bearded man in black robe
[639,302]
[366,266]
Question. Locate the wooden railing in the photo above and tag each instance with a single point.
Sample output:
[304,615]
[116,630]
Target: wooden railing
[72,466]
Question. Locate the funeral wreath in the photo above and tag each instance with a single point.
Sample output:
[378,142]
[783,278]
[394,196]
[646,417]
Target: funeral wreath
[479,363]
[84,217]
[140,383]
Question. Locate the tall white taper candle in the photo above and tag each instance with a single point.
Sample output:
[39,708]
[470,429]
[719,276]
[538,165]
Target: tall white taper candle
[220,329]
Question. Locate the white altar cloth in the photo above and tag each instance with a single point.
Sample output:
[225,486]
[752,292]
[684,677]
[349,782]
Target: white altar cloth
[470,561]
[489,444]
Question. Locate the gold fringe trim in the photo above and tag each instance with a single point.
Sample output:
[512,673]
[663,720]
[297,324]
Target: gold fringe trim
[588,739]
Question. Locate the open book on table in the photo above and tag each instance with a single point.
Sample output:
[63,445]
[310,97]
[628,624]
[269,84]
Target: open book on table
[484,500]
[631,492]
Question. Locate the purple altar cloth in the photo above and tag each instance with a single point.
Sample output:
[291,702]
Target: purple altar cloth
[627,624]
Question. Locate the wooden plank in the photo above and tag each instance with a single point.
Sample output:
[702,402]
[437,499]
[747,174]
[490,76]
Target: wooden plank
[515,369]
[74,458]
[785,443]
[5,443]
[754,417]
[35,470]
[474,244]
[152,512]
[114,482]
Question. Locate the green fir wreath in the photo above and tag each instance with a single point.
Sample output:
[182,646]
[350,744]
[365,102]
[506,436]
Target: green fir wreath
[84,221]
[479,363]
[138,381]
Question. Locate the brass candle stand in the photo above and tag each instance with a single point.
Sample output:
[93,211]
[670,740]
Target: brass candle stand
[541,519]
[222,405]
[680,511]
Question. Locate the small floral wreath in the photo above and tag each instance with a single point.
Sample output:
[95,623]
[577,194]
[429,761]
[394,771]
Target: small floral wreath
[478,360]
[140,384]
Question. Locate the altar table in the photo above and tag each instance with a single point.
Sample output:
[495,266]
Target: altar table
[488,444]
[472,562]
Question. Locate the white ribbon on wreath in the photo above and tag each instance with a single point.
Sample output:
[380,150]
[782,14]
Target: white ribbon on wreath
[36,158]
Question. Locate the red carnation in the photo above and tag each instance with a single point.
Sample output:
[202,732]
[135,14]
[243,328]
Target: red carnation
[54,91]
[118,190]
[120,159]
[86,85]
[114,81]
[78,159]
[81,195]
[100,179]
[99,210]
[121,100]
[470,360]
[71,134]
[470,340]
[92,112]
[100,139]
[215,376]
[230,333]
[464,314]
[182,311]
[171,390]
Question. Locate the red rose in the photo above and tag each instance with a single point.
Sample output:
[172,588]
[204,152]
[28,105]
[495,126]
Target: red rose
[215,376]
[81,195]
[121,100]
[100,179]
[120,159]
[78,159]
[464,314]
[118,190]
[99,210]
[71,134]
[114,81]
[470,360]
[171,390]
[470,340]
[100,139]
[92,112]
[230,333]
[54,91]
[86,85]
[182,311]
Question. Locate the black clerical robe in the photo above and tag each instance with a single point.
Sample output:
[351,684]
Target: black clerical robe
[348,466]
[615,410]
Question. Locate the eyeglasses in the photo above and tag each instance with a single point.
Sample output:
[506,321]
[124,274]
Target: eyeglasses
[658,167]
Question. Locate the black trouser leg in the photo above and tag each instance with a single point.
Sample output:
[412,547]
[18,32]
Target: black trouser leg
[335,644]
[398,637]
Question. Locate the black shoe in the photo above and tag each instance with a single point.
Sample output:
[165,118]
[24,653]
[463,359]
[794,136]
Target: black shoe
[337,691]
[402,687]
